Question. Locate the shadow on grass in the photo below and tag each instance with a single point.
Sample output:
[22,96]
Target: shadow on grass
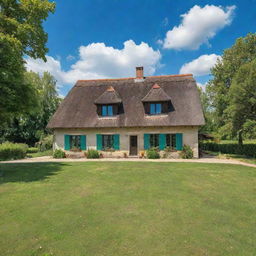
[24,172]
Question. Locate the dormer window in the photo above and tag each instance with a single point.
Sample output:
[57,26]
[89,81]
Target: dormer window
[155,108]
[156,101]
[107,110]
[109,103]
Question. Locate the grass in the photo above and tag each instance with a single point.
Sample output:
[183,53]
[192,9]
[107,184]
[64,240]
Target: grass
[236,142]
[38,154]
[127,208]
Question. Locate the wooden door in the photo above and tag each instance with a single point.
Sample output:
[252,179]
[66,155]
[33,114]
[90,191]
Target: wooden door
[133,145]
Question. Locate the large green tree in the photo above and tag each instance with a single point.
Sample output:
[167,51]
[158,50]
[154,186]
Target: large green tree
[29,128]
[241,112]
[226,74]
[21,33]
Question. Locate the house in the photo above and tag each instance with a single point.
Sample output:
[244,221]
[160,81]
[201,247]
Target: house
[129,115]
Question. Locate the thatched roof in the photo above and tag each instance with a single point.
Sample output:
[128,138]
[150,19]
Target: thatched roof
[110,96]
[156,94]
[78,110]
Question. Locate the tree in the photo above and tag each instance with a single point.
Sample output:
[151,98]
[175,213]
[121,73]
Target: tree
[21,33]
[209,126]
[29,128]
[225,75]
[241,111]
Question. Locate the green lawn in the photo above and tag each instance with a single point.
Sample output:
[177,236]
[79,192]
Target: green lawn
[40,153]
[236,142]
[127,208]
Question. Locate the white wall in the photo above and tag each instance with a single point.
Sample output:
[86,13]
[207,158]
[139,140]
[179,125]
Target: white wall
[190,136]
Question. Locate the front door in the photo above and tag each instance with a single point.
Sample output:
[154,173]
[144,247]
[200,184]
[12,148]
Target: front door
[133,145]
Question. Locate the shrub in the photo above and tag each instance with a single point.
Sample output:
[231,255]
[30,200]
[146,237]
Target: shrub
[10,151]
[152,153]
[32,150]
[45,143]
[58,153]
[92,153]
[187,152]
[230,148]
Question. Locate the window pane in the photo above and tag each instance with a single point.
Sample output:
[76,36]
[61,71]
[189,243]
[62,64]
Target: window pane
[173,140]
[168,140]
[104,110]
[151,140]
[154,140]
[152,109]
[158,108]
[110,110]
[107,142]
[75,141]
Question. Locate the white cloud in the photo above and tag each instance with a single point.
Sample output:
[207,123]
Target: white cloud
[200,66]
[97,60]
[198,25]
[52,65]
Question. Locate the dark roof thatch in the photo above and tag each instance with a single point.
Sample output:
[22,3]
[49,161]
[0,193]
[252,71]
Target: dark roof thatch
[156,94]
[110,96]
[78,110]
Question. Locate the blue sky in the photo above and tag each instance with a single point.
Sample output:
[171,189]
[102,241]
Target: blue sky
[195,39]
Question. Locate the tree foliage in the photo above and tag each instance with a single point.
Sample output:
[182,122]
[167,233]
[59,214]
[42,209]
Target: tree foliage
[30,127]
[21,33]
[232,89]
[209,126]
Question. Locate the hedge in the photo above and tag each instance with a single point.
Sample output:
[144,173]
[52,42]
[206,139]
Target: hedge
[32,150]
[10,151]
[232,148]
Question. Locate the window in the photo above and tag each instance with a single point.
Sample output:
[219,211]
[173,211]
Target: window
[107,110]
[107,142]
[171,140]
[154,140]
[155,108]
[75,142]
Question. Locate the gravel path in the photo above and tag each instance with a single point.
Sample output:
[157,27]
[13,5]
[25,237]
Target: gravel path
[201,160]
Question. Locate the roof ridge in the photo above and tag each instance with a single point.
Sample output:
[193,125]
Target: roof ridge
[128,78]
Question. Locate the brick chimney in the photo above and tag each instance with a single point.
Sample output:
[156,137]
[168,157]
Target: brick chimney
[139,73]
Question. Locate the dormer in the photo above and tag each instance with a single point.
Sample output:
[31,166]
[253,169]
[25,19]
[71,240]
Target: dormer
[157,101]
[109,103]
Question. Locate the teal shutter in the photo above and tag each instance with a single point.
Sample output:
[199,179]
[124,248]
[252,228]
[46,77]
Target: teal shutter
[179,141]
[66,142]
[83,142]
[146,141]
[116,142]
[99,141]
[162,141]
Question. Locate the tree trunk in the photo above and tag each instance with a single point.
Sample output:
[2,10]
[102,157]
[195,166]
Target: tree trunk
[240,137]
